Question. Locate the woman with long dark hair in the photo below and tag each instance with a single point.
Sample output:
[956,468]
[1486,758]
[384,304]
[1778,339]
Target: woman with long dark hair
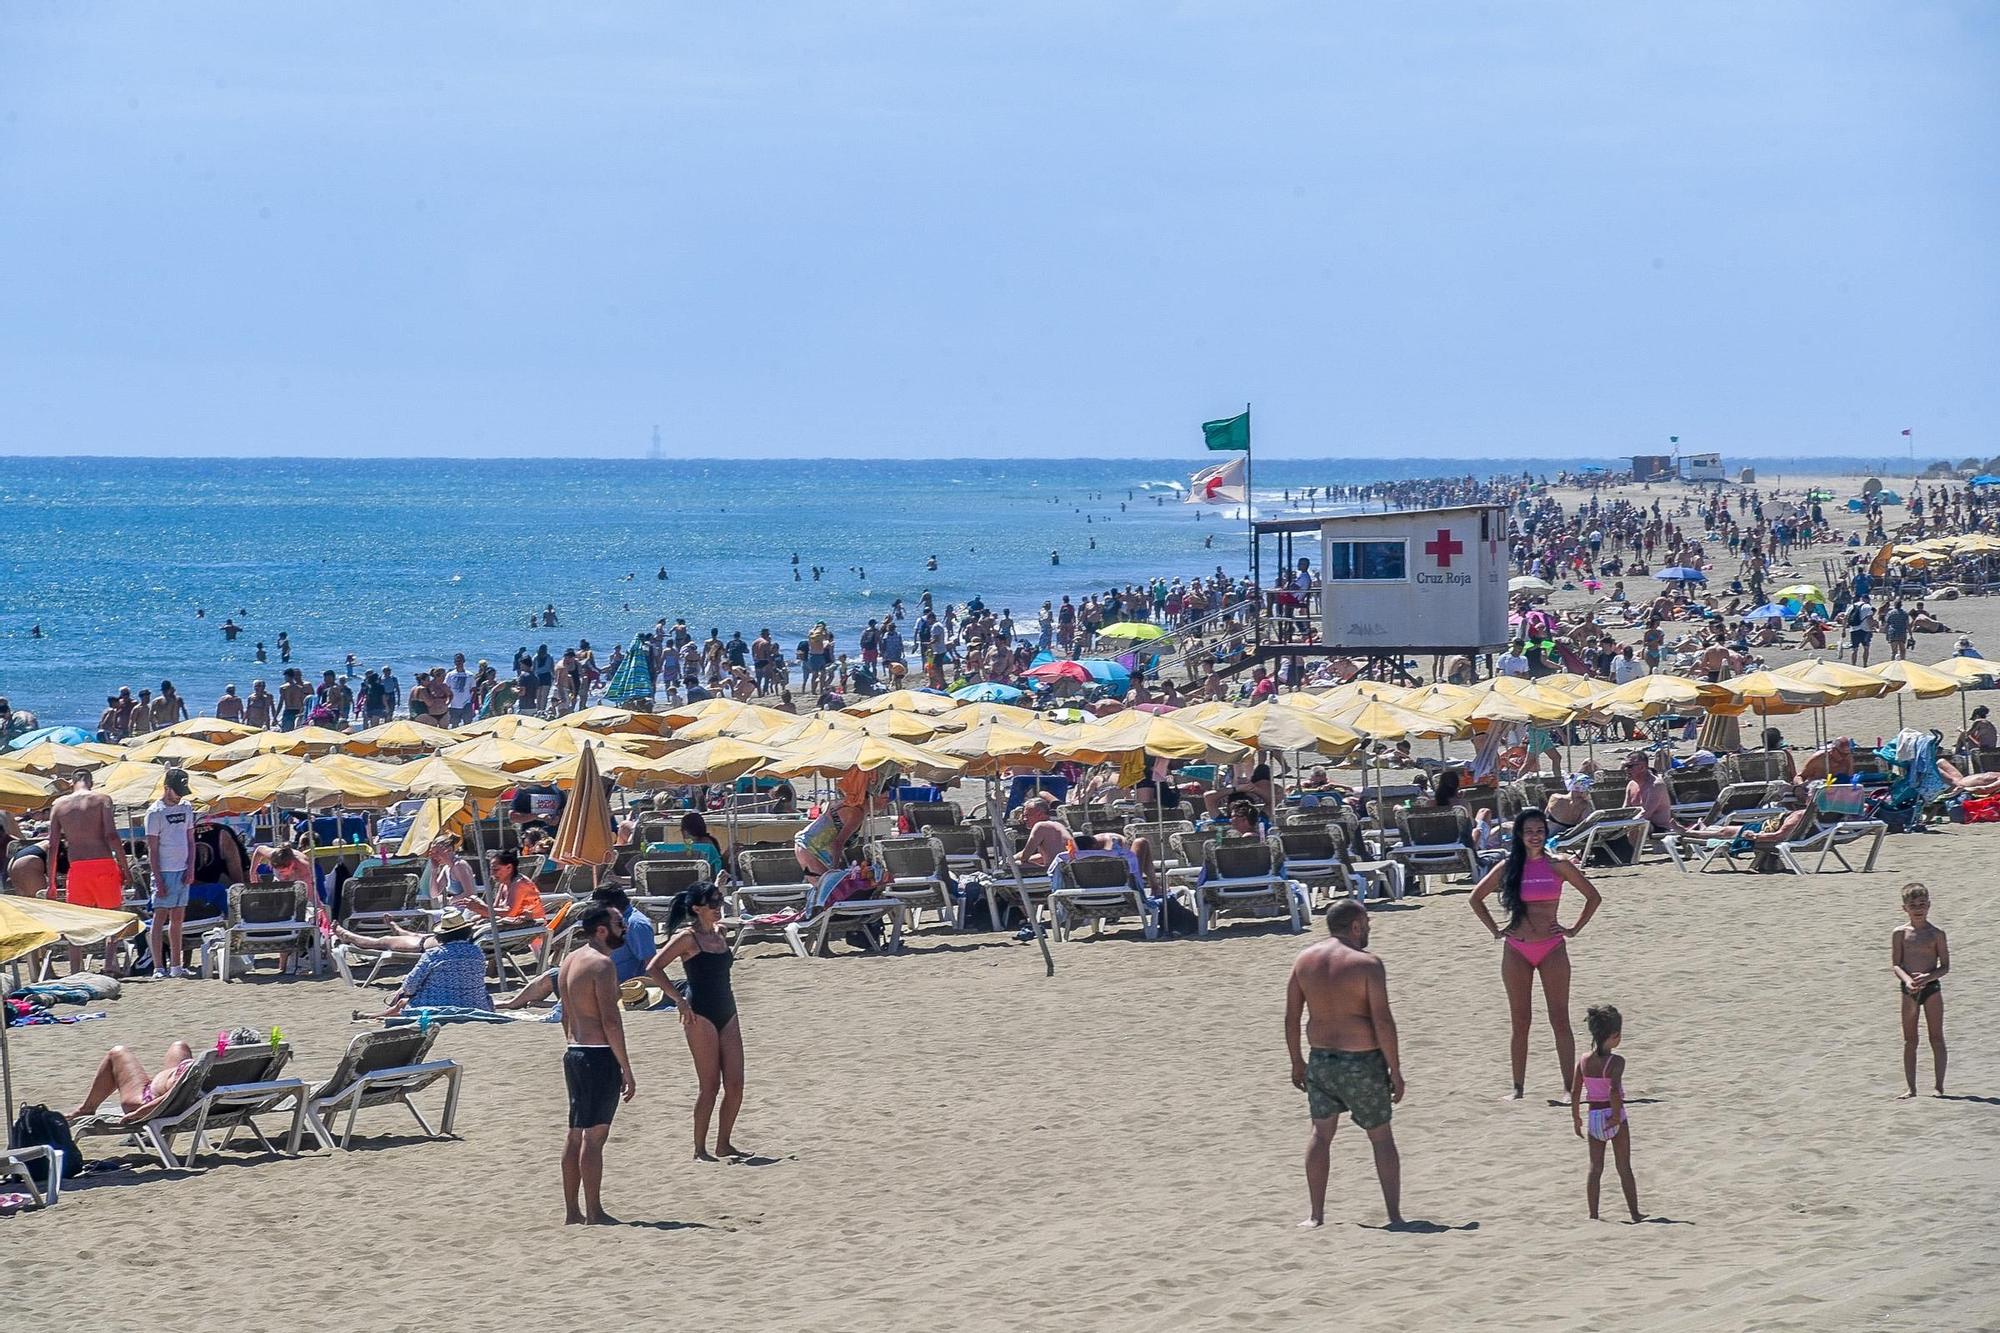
[1530,884]
[708,1011]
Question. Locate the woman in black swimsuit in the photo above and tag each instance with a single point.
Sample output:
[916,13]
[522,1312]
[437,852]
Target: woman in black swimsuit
[708,1011]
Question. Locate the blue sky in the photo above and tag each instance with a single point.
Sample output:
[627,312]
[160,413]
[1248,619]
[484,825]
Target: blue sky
[1464,229]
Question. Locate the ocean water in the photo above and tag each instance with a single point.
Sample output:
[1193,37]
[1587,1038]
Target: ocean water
[407,561]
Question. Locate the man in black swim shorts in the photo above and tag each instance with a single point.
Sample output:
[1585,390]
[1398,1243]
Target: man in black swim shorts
[595,1066]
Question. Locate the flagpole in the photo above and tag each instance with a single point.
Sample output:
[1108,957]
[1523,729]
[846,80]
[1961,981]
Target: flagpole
[1250,506]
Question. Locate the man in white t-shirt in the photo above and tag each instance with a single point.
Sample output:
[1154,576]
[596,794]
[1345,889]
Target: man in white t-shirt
[170,849]
[459,681]
[1513,662]
[1626,668]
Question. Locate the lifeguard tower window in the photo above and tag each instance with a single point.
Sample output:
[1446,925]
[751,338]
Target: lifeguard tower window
[1367,562]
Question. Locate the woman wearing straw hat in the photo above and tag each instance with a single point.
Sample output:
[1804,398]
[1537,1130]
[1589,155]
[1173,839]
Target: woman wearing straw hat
[708,1011]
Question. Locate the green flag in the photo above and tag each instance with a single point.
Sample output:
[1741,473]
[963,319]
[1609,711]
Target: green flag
[1229,433]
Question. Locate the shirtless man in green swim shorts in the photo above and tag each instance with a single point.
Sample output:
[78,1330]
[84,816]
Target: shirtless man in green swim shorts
[1340,992]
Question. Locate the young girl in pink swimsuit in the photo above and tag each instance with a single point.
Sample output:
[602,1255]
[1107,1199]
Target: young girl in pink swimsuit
[1602,1097]
[1530,884]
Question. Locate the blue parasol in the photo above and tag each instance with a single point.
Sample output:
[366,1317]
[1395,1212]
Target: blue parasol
[989,692]
[1682,574]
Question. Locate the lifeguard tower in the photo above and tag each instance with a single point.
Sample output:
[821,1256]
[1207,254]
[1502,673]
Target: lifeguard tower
[1389,585]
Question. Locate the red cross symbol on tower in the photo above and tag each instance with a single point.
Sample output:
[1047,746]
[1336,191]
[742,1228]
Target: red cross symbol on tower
[1444,548]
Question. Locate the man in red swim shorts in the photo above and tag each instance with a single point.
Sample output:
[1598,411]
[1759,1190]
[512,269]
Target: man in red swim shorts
[81,823]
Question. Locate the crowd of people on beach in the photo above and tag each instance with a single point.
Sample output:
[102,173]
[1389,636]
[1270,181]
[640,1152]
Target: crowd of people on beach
[1341,1034]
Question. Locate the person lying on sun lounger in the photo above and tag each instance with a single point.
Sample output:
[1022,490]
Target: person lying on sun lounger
[1762,833]
[452,971]
[120,1072]
[1975,784]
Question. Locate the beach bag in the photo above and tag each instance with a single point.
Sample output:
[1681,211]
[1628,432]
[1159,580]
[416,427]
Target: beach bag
[38,1126]
[1982,810]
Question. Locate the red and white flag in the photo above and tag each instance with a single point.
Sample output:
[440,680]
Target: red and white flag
[1221,484]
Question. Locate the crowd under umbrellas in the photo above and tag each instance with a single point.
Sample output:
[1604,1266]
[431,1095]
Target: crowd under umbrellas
[461,773]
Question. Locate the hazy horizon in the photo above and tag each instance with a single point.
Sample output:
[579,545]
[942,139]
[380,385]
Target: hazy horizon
[1038,230]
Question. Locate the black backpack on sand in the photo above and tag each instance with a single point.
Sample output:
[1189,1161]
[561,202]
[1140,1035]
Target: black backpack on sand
[39,1126]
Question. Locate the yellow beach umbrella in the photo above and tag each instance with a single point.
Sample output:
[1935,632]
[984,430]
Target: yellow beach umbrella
[47,757]
[992,748]
[719,759]
[436,775]
[585,835]
[1269,726]
[304,741]
[916,727]
[160,748]
[1773,693]
[1377,720]
[905,701]
[1147,733]
[627,770]
[211,729]
[133,785]
[850,752]
[1922,681]
[605,718]
[1853,682]
[400,737]
[967,716]
[25,793]
[366,767]
[510,756]
[569,740]
[308,786]
[28,924]
[259,766]
[1650,696]
[1970,671]
[513,726]
[735,720]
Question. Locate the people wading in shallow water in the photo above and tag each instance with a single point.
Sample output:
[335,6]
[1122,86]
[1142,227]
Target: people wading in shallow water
[1530,884]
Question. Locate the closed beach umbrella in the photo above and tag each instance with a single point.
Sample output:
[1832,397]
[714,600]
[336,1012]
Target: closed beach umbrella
[585,836]
[633,680]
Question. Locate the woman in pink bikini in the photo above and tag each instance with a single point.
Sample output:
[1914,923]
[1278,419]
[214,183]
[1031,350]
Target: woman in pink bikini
[1530,884]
